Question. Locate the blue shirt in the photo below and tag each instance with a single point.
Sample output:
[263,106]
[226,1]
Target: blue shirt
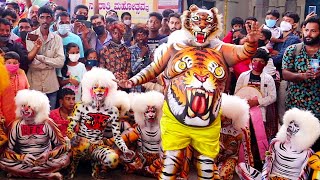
[100,45]
[16,31]
[138,63]
[277,60]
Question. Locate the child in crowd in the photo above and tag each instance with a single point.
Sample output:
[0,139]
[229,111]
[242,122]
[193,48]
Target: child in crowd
[91,57]
[239,38]
[264,83]
[258,79]
[18,81]
[236,23]
[72,72]
[271,20]
[262,42]
[60,115]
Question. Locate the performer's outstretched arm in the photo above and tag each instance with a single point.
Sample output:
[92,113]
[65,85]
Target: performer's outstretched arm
[235,53]
[161,59]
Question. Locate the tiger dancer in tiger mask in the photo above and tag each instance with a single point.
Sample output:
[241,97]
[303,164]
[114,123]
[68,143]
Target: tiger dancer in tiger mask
[147,108]
[36,147]
[93,115]
[289,151]
[234,135]
[194,72]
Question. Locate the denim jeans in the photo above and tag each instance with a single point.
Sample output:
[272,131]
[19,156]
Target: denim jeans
[53,99]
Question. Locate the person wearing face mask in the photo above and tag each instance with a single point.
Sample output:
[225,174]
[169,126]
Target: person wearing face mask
[72,71]
[64,31]
[258,79]
[289,21]
[127,37]
[99,26]
[265,84]
[57,10]
[288,24]
[270,68]
[91,57]
[32,18]
[271,20]
[18,81]
[24,27]
[5,41]
[237,23]
[82,29]
[12,18]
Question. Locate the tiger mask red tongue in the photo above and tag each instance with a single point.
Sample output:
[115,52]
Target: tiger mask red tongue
[199,104]
[200,37]
[200,101]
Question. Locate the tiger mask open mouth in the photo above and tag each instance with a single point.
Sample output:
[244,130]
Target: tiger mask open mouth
[202,24]
[199,102]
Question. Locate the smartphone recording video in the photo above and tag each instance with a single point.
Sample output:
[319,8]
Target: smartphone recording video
[32,37]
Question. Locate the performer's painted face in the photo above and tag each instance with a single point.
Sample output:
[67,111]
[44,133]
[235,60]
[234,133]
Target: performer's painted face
[27,112]
[150,114]
[292,129]
[99,92]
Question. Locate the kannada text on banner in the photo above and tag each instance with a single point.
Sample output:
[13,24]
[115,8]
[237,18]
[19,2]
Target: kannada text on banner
[138,9]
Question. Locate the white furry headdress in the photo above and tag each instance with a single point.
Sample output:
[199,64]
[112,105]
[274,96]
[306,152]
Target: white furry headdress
[121,101]
[140,102]
[309,128]
[101,77]
[237,109]
[38,101]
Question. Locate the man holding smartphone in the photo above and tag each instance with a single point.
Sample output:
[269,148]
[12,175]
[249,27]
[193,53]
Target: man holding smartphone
[304,87]
[82,27]
[45,54]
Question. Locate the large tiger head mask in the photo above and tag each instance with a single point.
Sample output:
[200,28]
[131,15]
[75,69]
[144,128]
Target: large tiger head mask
[197,79]
[202,25]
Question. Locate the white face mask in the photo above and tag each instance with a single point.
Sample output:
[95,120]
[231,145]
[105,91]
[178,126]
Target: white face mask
[64,29]
[74,57]
[285,26]
[127,22]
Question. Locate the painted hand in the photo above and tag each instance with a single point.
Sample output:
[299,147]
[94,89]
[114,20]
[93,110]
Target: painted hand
[128,155]
[29,159]
[254,32]
[124,83]
[42,158]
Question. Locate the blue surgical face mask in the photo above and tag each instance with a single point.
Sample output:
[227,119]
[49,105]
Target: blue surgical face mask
[271,23]
[92,63]
[64,28]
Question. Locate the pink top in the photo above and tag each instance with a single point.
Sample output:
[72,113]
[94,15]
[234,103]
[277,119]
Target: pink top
[18,82]
[60,121]
[228,38]
[241,67]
